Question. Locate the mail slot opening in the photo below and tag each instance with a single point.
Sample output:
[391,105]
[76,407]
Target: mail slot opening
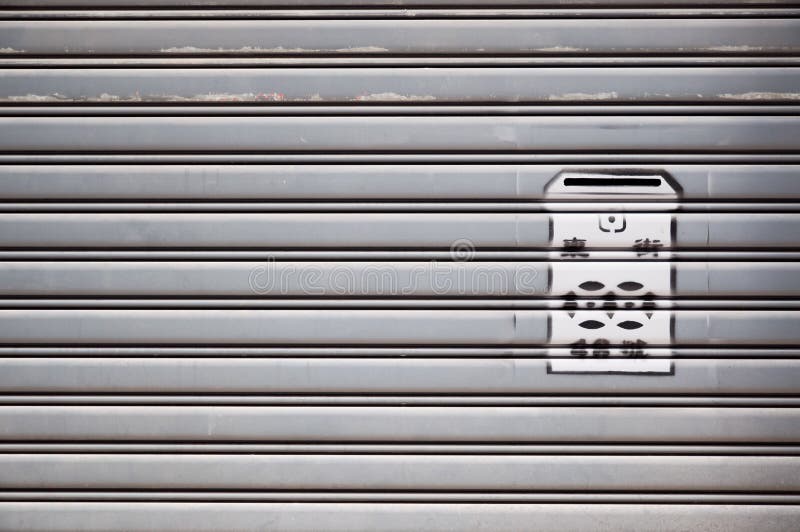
[612,182]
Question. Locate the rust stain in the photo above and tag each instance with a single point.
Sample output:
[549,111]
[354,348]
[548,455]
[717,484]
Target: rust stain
[762,96]
[599,96]
[393,97]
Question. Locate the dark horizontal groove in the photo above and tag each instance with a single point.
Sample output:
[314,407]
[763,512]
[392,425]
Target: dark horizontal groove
[520,104]
[401,153]
[640,444]
[401,447]
[326,159]
[738,152]
[390,12]
[617,394]
[399,402]
[389,298]
[403,405]
[438,55]
[351,62]
[178,353]
[388,109]
[415,492]
[640,203]
[201,491]
[450,449]
[483,200]
[792,14]
[377,346]
[222,257]
[417,5]
[50,305]
[154,207]
[201,352]
[373,250]
[408,497]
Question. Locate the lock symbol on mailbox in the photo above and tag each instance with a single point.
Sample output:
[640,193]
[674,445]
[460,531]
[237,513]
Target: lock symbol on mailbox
[612,223]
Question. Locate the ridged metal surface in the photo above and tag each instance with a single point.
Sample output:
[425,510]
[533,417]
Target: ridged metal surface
[377,183]
[403,37]
[208,516]
[775,134]
[429,424]
[304,265]
[391,85]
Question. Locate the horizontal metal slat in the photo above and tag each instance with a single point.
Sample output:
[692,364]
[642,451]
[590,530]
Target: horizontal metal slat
[405,37]
[404,133]
[399,424]
[406,279]
[395,85]
[273,230]
[214,517]
[410,472]
[390,230]
[383,376]
[389,327]
[478,182]
[291,516]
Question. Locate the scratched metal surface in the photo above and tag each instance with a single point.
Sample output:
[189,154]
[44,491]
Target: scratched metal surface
[441,265]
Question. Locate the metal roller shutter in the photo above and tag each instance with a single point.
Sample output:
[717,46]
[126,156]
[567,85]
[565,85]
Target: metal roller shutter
[441,265]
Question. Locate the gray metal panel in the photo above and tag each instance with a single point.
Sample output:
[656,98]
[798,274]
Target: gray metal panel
[484,182]
[320,279]
[434,517]
[140,361]
[477,37]
[244,279]
[382,230]
[366,230]
[380,376]
[399,424]
[366,327]
[398,85]
[273,327]
[400,473]
[405,133]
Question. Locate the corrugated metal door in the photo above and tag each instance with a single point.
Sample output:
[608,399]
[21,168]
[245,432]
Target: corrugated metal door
[311,265]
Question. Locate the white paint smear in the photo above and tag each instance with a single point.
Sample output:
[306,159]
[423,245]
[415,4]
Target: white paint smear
[638,366]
